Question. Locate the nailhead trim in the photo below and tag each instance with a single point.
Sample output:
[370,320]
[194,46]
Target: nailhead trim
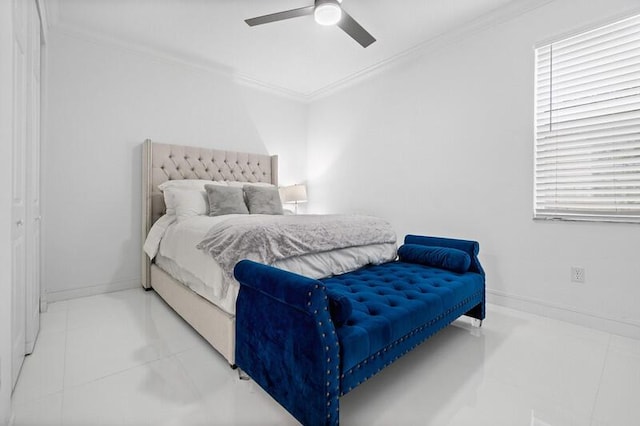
[318,304]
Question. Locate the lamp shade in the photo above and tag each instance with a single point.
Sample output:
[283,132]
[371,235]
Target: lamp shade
[293,194]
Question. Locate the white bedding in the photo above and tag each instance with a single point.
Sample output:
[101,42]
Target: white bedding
[175,245]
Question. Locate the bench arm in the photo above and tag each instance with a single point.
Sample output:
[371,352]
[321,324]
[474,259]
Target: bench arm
[287,287]
[472,248]
[286,341]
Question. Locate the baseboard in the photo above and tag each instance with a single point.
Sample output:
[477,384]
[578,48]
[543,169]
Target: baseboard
[527,304]
[56,296]
[618,326]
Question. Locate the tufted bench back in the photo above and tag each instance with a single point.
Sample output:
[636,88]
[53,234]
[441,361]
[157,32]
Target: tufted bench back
[391,300]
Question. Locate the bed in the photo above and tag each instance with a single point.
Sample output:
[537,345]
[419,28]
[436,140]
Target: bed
[180,273]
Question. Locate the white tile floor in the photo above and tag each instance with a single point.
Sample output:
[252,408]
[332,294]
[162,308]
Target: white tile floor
[126,358]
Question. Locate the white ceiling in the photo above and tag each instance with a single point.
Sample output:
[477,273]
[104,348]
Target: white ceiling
[297,55]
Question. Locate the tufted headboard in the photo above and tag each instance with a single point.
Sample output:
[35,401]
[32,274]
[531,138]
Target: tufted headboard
[163,162]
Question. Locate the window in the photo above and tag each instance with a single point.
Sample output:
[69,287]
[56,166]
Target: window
[587,126]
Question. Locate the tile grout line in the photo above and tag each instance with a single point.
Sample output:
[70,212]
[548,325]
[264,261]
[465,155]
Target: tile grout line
[604,366]
[158,357]
[71,387]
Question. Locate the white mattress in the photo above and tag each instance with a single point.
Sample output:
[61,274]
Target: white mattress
[178,256]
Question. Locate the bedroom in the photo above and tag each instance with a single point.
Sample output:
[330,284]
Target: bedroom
[431,128]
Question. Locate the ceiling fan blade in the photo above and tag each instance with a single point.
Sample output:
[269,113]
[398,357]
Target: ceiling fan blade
[280,16]
[355,30]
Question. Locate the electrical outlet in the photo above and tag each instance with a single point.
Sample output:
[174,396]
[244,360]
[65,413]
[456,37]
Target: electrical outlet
[577,274]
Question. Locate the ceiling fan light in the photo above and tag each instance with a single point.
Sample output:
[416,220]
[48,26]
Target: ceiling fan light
[328,13]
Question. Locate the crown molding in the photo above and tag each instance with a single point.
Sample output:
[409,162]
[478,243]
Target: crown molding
[430,46]
[589,27]
[256,84]
[433,45]
[173,58]
[162,55]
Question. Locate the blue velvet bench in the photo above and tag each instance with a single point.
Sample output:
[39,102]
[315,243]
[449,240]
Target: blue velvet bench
[307,342]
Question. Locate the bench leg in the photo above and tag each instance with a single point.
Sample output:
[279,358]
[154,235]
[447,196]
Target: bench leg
[476,322]
[242,375]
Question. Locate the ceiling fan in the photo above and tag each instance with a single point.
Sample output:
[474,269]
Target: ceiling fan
[325,12]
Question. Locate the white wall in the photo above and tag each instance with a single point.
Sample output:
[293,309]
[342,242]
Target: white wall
[446,138]
[103,102]
[6,124]
[443,145]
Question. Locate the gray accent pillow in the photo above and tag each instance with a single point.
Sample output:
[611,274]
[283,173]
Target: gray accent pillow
[225,200]
[263,200]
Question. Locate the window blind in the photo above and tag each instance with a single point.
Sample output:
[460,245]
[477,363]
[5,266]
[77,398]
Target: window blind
[587,126]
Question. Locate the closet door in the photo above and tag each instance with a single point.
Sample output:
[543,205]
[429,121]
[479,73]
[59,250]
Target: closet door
[18,186]
[32,170]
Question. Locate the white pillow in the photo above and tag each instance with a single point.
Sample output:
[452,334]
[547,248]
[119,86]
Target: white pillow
[171,186]
[185,203]
[169,202]
[188,184]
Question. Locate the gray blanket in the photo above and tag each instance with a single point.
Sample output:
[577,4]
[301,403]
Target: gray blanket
[267,239]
